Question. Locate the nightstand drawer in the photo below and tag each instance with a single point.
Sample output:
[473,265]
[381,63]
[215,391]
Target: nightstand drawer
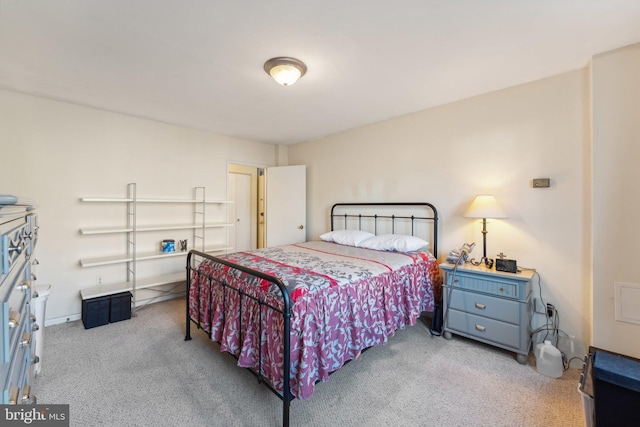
[486,306]
[487,329]
[487,284]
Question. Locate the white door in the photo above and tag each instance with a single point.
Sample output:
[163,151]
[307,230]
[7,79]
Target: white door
[286,205]
[243,212]
[240,185]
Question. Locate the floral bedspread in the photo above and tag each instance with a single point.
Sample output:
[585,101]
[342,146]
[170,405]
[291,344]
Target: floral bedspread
[344,299]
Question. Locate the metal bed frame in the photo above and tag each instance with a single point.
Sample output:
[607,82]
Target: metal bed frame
[285,311]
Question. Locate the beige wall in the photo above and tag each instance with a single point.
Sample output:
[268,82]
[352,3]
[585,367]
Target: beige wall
[493,143]
[55,153]
[616,189]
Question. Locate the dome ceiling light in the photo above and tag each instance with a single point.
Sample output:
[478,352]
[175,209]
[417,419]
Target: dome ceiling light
[285,71]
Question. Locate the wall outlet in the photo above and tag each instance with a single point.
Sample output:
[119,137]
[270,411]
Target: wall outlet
[98,280]
[538,306]
[550,310]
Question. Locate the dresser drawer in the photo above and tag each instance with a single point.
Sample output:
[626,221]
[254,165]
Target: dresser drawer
[504,287]
[13,243]
[32,232]
[487,329]
[14,308]
[16,374]
[485,305]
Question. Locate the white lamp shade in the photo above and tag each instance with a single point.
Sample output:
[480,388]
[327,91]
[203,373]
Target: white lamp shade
[484,206]
[285,74]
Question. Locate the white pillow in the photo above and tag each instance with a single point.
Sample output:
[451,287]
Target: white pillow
[346,237]
[394,242]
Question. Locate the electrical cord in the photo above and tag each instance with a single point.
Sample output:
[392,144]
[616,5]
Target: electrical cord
[554,328]
[555,325]
[567,365]
[550,325]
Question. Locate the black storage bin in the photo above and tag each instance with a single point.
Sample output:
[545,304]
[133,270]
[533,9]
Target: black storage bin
[95,311]
[107,309]
[616,389]
[120,307]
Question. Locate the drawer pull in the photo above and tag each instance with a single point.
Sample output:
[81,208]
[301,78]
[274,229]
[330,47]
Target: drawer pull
[13,395]
[27,398]
[14,319]
[34,325]
[17,249]
[26,339]
[480,306]
[25,285]
[26,393]
[480,328]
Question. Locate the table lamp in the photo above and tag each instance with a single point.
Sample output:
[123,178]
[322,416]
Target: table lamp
[484,206]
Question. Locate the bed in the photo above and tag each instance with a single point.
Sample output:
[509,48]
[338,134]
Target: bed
[302,311]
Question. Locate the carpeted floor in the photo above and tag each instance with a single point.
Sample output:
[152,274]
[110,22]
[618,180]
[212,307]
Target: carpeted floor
[141,372]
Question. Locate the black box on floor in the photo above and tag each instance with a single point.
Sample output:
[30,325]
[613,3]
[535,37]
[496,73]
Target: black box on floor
[95,311]
[120,307]
[107,309]
[616,389]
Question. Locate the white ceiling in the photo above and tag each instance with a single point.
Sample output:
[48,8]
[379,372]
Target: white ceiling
[198,63]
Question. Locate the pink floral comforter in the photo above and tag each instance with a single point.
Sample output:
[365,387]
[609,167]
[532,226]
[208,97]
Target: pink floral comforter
[344,299]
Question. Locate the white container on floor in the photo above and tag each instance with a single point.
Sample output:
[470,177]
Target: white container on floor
[548,360]
[40,305]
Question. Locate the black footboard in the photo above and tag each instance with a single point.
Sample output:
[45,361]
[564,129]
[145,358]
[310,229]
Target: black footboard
[194,272]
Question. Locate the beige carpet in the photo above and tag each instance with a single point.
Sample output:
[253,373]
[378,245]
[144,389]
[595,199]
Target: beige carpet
[140,372]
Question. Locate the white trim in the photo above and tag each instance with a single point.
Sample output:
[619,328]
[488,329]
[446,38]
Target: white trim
[59,320]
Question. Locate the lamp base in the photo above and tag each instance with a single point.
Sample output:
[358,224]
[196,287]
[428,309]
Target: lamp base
[488,262]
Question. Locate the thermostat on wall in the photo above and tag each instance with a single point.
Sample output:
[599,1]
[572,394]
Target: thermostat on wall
[541,183]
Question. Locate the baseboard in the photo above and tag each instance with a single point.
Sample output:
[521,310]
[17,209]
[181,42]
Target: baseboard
[58,320]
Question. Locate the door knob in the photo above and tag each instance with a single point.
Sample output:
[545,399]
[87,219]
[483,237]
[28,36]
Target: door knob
[300,227]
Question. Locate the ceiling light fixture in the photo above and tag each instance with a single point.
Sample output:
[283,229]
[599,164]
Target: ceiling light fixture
[285,71]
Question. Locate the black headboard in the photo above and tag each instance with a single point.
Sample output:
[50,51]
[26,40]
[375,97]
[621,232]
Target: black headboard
[388,217]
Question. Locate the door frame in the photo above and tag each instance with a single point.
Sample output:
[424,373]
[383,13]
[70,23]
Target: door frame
[256,198]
